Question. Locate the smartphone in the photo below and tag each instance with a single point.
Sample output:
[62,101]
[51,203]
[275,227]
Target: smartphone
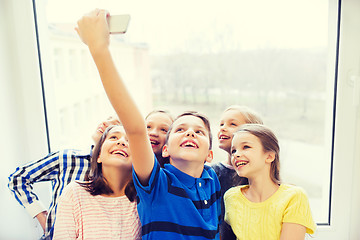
[118,23]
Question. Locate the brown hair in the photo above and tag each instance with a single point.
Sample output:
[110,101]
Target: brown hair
[269,142]
[97,182]
[195,114]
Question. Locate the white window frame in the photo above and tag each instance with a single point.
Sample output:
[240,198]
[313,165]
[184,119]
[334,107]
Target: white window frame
[24,73]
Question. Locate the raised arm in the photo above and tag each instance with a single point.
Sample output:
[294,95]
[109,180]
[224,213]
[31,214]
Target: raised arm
[94,32]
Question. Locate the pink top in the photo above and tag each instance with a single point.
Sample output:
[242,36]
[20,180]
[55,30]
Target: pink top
[83,216]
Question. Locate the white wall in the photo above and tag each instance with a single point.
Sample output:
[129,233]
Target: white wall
[22,119]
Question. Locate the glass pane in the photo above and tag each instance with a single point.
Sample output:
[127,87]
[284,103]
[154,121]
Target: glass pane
[206,55]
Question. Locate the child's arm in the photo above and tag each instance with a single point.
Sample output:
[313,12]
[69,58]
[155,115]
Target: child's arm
[21,184]
[292,231]
[94,32]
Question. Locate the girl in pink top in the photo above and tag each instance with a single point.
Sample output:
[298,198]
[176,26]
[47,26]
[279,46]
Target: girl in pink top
[103,207]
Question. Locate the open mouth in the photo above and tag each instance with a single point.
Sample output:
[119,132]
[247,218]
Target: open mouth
[189,144]
[224,137]
[120,152]
[240,163]
[154,142]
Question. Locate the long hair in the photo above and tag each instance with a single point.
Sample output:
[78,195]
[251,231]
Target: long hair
[97,183]
[269,142]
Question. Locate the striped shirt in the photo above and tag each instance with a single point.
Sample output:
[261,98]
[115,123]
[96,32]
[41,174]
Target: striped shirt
[81,215]
[60,168]
[175,205]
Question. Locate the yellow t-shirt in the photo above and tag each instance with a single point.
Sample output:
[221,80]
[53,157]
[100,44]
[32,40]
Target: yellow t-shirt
[264,220]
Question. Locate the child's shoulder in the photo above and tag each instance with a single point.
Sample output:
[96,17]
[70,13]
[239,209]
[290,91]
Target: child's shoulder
[293,190]
[234,191]
[210,170]
[217,166]
[76,186]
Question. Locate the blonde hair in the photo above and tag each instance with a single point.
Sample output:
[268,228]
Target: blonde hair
[249,114]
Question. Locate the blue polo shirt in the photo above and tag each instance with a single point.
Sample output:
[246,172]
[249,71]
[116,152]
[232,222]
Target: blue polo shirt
[175,205]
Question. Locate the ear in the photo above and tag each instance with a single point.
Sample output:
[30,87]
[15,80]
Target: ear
[270,157]
[209,157]
[99,159]
[165,152]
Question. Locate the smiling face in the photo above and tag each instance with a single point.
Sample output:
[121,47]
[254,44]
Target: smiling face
[248,156]
[158,123]
[115,150]
[230,122]
[188,140]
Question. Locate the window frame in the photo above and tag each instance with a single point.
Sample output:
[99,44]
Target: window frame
[345,196]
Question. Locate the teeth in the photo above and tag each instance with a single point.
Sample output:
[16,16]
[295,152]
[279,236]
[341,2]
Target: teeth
[120,152]
[241,164]
[189,144]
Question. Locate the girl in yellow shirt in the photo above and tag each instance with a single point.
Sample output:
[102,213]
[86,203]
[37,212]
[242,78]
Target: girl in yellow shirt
[264,209]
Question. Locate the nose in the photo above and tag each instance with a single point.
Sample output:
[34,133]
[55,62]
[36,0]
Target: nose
[236,154]
[152,132]
[190,133]
[122,141]
[222,128]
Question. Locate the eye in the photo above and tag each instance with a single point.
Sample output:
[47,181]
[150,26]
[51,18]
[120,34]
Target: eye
[233,151]
[113,137]
[233,124]
[179,130]
[221,124]
[246,146]
[201,132]
[164,130]
[148,126]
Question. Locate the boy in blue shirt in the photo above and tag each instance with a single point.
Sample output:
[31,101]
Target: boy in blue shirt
[181,201]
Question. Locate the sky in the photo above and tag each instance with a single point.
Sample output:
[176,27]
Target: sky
[210,26]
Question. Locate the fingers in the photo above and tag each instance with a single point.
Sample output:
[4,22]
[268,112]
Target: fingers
[92,16]
[113,121]
[110,121]
[93,30]
[94,12]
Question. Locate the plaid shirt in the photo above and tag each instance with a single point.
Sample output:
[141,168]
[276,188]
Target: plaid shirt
[60,168]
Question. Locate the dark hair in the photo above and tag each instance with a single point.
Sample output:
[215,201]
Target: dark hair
[269,142]
[97,182]
[195,114]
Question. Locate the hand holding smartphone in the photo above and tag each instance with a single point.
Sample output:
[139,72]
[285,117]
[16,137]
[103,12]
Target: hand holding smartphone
[118,24]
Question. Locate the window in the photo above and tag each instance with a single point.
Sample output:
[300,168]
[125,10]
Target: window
[272,56]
